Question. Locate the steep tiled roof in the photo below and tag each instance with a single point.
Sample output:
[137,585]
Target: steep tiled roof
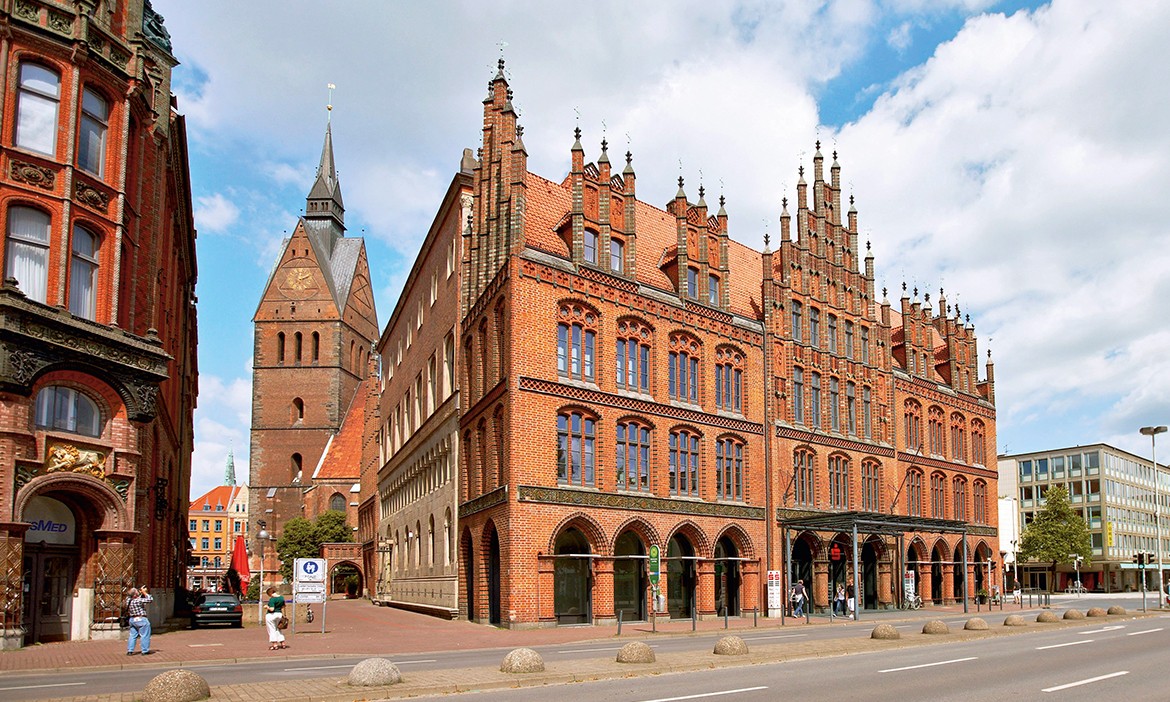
[343,457]
[548,203]
[221,495]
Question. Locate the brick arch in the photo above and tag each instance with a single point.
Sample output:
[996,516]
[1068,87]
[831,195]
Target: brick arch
[587,525]
[941,544]
[639,418]
[577,310]
[688,427]
[816,545]
[112,400]
[695,534]
[583,409]
[634,319]
[743,542]
[919,548]
[880,547]
[91,491]
[639,526]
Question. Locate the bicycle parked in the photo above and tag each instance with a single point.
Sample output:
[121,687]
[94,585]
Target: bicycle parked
[911,602]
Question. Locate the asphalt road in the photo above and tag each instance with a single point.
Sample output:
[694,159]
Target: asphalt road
[1092,662]
[41,685]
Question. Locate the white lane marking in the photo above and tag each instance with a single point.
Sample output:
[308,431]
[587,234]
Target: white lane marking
[596,650]
[317,667]
[1070,643]
[1147,631]
[928,665]
[709,694]
[1086,681]
[777,636]
[1103,629]
[423,660]
[37,687]
[203,645]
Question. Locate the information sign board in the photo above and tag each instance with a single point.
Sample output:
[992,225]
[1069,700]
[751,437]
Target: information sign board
[655,564]
[308,597]
[309,570]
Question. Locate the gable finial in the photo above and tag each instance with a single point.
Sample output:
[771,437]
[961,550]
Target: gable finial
[329,104]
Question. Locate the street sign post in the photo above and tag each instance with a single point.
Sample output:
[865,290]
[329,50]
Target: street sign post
[309,570]
[309,585]
[309,597]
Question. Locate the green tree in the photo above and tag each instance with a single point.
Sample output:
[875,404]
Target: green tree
[302,538]
[1057,535]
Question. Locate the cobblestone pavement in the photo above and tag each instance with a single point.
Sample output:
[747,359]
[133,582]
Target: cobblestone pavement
[355,627]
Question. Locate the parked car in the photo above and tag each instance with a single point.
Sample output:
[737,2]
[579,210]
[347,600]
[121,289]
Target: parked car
[217,608]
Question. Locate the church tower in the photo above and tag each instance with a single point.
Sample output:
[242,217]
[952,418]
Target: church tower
[315,327]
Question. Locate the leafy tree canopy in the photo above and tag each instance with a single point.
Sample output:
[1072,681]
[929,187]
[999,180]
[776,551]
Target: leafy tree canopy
[302,538]
[1058,533]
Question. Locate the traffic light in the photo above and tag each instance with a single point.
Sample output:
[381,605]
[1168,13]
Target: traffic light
[1150,559]
[1139,558]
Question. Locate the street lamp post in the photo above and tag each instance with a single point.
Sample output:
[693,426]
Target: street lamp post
[1153,432]
[263,536]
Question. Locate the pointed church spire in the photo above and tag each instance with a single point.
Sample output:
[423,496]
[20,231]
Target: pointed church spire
[324,200]
[229,473]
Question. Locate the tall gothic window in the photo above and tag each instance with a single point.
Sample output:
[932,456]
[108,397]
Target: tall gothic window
[865,345]
[912,419]
[28,251]
[632,356]
[814,327]
[960,490]
[729,379]
[617,255]
[938,496]
[914,493]
[729,469]
[337,502]
[937,440]
[832,331]
[683,371]
[814,397]
[871,477]
[804,481]
[980,502]
[797,321]
[848,339]
[684,463]
[576,340]
[632,460]
[867,411]
[713,289]
[839,481]
[591,246]
[798,395]
[575,443]
[959,437]
[978,444]
[851,408]
[36,109]
[693,283]
[835,404]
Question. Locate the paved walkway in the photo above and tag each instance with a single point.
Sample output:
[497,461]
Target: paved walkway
[355,627]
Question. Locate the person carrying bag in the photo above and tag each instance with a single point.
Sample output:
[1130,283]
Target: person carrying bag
[275,620]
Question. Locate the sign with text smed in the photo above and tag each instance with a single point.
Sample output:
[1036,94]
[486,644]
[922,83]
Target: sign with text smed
[309,570]
[655,564]
[52,521]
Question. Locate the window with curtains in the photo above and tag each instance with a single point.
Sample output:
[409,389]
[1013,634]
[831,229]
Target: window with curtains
[684,463]
[632,356]
[28,251]
[91,137]
[683,370]
[938,496]
[912,429]
[934,417]
[959,437]
[839,481]
[66,409]
[576,341]
[729,379]
[798,395]
[729,469]
[871,485]
[960,490]
[576,434]
[632,459]
[38,96]
[914,493]
[851,408]
[804,481]
[980,495]
[83,275]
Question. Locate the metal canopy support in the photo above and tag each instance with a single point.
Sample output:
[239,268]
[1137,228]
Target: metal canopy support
[966,587]
[856,580]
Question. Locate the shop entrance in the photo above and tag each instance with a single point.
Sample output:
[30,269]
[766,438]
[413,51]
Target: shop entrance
[50,570]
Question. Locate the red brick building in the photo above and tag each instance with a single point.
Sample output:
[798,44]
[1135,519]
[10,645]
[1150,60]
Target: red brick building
[630,376]
[315,328]
[97,344]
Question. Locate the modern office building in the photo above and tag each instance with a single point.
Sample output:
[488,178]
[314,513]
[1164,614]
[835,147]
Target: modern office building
[1114,491]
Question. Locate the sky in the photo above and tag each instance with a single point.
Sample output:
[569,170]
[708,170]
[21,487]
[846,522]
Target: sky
[1014,153]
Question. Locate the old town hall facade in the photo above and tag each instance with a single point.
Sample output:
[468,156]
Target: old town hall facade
[628,375]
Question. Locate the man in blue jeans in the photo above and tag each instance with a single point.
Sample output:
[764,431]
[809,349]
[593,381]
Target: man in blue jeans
[798,599]
[139,622]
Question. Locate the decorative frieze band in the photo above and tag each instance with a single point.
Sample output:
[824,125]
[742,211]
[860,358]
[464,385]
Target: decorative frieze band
[484,501]
[644,503]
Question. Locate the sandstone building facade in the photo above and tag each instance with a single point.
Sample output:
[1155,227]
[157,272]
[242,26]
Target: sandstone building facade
[98,372]
[630,376]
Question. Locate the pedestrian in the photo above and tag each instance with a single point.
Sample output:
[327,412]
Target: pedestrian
[839,600]
[136,602]
[798,599]
[850,597]
[275,609]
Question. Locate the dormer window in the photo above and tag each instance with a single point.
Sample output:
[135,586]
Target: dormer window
[617,255]
[591,247]
[693,283]
[713,289]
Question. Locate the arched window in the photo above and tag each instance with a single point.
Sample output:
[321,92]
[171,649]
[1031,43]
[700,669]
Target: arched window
[729,474]
[418,544]
[36,109]
[298,409]
[485,361]
[482,453]
[575,443]
[871,485]
[83,274]
[912,430]
[960,490]
[804,482]
[632,464]
[959,437]
[938,496]
[296,467]
[297,346]
[937,441]
[91,136]
[839,481]
[501,340]
[914,493]
[498,448]
[683,371]
[978,443]
[28,251]
[447,546]
[632,371]
[980,502]
[316,347]
[65,409]
[431,539]
[465,467]
[684,463]
[729,379]
[280,347]
[337,502]
[576,340]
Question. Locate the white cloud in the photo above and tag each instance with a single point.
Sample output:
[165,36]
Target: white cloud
[215,213]
[900,37]
[222,423]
